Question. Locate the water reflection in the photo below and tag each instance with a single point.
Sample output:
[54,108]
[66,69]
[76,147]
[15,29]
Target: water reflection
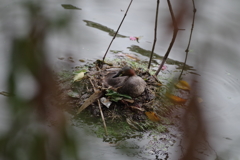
[101,27]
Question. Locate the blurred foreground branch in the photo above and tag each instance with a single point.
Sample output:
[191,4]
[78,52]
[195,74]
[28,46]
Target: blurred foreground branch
[39,129]
[175,31]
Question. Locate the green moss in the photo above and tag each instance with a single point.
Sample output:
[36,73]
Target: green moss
[117,131]
[65,75]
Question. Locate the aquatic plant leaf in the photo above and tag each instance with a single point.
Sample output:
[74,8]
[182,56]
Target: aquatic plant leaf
[114,96]
[69,6]
[183,85]
[78,77]
[152,116]
[115,99]
[176,98]
[112,93]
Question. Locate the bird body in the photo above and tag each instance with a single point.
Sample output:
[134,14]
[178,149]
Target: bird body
[126,81]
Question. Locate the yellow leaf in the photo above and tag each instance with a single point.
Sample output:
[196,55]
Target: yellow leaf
[183,85]
[132,57]
[78,77]
[152,116]
[176,98]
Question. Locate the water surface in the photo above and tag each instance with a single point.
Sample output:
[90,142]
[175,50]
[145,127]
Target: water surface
[214,54]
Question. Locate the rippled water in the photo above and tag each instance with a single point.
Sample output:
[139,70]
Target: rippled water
[214,54]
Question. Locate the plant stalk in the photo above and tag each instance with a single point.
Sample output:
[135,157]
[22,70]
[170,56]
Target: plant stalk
[117,30]
[155,35]
[190,38]
[175,32]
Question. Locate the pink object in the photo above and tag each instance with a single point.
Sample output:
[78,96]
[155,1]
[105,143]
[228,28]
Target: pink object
[164,67]
[133,38]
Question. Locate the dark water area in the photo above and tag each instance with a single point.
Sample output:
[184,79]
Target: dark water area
[213,58]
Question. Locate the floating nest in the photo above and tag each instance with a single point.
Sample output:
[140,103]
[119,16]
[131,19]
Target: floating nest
[88,96]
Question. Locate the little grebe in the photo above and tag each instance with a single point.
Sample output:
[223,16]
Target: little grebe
[128,83]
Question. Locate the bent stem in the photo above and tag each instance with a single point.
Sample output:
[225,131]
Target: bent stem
[175,32]
[117,30]
[190,38]
[155,35]
[100,109]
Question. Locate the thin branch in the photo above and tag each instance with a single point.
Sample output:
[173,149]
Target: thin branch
[104,123]
[155,35]
[175,31]
[190,38]
[117,30]
[100,109]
